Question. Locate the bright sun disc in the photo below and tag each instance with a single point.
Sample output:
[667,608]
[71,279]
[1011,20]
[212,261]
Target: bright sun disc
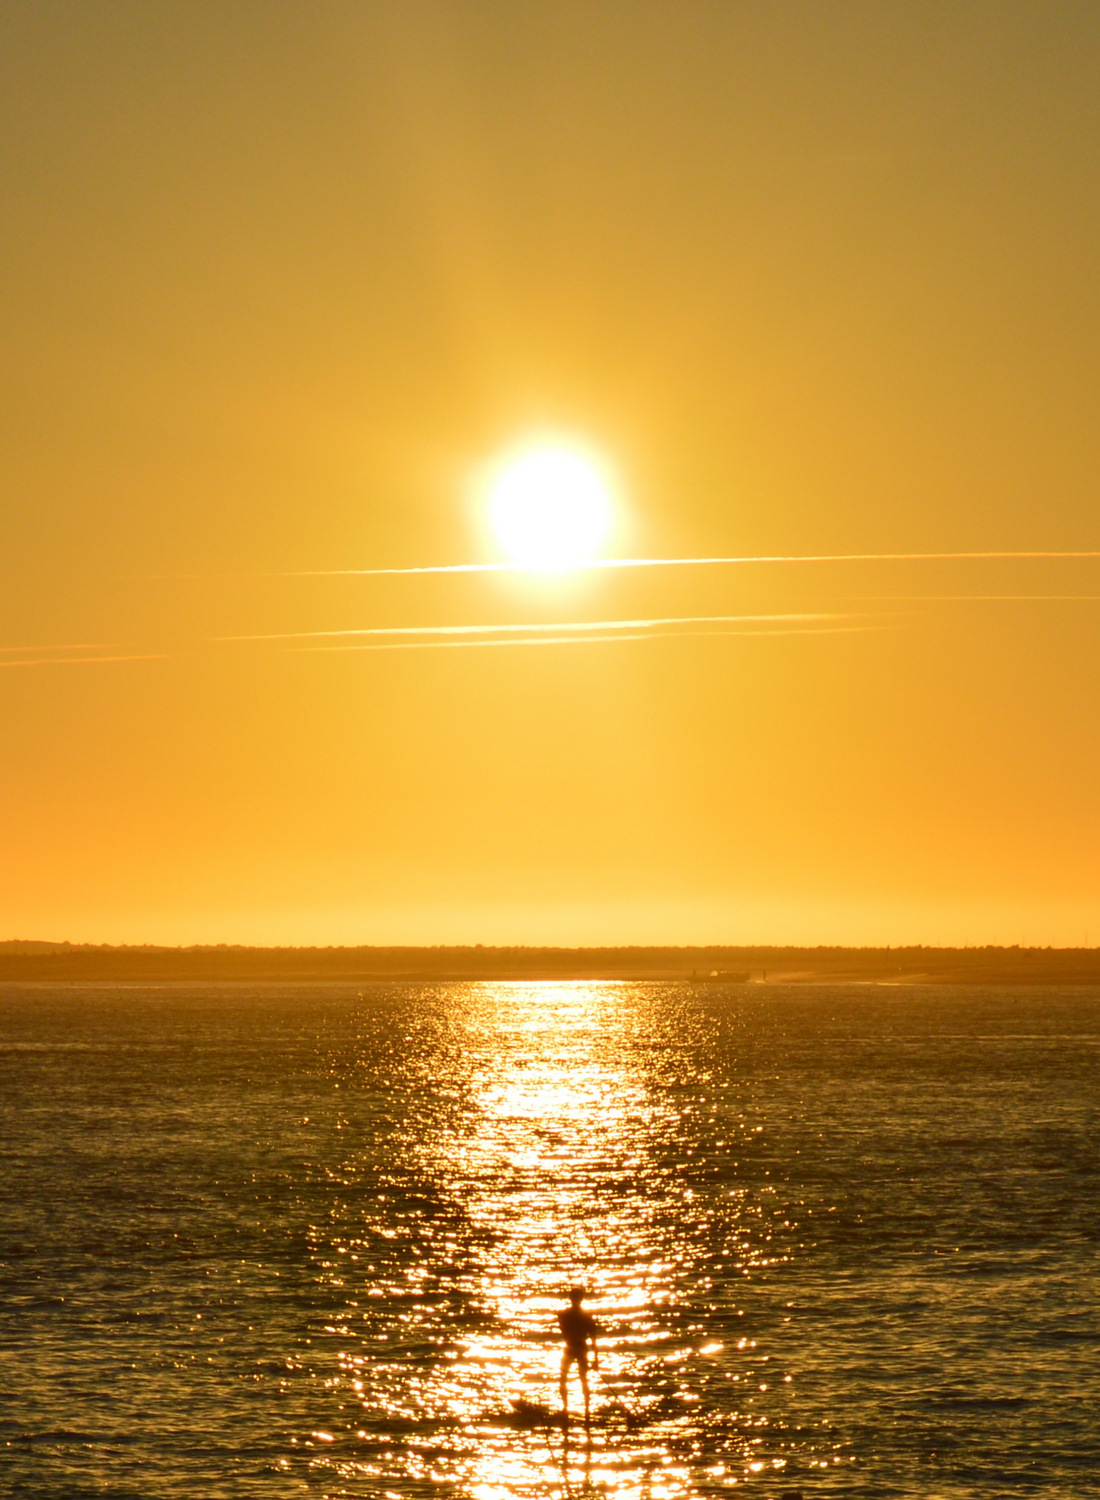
[550,507]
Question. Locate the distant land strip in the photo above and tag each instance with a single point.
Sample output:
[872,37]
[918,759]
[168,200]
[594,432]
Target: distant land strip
[40,962]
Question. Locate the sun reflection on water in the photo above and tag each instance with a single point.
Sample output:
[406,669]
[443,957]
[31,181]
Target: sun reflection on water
[554,1105]
[549,1138]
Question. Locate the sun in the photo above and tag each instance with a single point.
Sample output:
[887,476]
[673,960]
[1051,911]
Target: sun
[550,506]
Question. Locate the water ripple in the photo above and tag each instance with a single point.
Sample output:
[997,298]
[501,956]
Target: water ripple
[311,1240]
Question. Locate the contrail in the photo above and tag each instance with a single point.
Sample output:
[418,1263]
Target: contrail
[78,661]
[580,640]
[562,632]
[982,598]
[94,646]
[605,563]
[578,626]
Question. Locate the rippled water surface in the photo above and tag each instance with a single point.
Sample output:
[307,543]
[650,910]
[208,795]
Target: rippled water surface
[311,1241]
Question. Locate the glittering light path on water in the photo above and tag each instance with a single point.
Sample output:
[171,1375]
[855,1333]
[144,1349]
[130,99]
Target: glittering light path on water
[567,1148]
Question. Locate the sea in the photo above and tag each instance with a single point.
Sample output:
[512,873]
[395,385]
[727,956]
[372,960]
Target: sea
[311,1240]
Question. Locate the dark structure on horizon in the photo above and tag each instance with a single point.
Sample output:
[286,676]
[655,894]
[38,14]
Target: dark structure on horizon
[87,963]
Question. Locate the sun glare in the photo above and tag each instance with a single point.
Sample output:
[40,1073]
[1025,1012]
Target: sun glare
[550,506]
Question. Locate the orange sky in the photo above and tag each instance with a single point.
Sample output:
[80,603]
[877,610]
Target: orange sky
[817,278]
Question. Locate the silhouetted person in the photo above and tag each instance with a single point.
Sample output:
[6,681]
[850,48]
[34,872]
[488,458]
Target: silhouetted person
[577,1327]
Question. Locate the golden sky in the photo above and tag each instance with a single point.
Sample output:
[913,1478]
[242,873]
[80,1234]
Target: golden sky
[280,284]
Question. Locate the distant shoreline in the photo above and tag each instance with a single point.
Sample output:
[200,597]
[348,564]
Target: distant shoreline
[72,962]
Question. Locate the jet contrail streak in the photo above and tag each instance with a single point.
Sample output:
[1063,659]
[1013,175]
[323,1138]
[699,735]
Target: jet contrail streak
[94,646]
[579,640]
[982,598]
[579,626]
[79,661]
[605,563]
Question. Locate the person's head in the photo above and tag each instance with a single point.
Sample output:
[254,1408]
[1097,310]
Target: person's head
[576,1295]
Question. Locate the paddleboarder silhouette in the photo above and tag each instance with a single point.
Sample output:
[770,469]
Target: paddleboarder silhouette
[577,1329]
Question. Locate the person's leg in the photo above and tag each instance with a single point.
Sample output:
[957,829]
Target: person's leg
[566,1361]
[582,1368]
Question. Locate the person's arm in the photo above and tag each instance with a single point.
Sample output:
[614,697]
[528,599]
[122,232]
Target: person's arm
[595,1352]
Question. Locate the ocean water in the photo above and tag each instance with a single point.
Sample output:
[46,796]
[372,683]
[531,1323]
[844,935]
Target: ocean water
[311,1240]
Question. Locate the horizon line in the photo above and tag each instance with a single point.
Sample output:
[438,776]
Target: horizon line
[559,947]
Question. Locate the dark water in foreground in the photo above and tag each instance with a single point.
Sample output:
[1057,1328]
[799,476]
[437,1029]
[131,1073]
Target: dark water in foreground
[842,1241]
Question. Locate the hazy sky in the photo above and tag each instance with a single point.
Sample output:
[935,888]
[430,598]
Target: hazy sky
[279,280]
